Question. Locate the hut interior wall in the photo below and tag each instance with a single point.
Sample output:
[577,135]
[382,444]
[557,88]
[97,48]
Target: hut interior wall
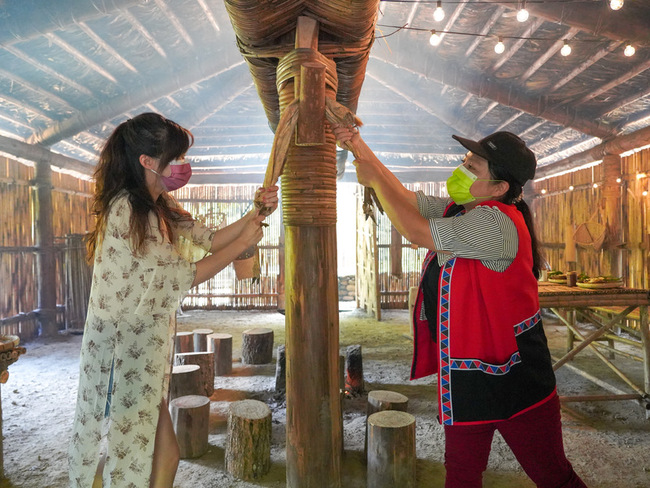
[561,208]
[71,215]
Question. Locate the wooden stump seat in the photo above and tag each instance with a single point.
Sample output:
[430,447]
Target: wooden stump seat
[380,400]
[201,339]
[206,372]
[248,442]
[190,417]
[391,449]
[257,346]
[185,380]
[221,346]
[183,342]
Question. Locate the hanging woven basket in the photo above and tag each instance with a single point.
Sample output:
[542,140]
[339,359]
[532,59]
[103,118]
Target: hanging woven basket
[247,264]
[591,234]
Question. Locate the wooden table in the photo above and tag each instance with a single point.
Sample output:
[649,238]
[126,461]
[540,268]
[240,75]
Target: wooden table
[568,302]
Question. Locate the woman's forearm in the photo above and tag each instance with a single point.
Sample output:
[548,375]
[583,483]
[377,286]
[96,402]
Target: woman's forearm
[210,265]
[224,237]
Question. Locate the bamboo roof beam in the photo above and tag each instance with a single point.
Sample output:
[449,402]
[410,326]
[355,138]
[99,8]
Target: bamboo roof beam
[504,94]
[106,46]
[21,22]
[512,49]
[584,65]
[83,59]
[175,22]
[209,15]
[594,17]
[126,102]
[617,145]
[30,152]
[614,83]
[550,52]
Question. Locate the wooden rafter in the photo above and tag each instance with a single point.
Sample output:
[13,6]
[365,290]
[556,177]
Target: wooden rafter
[136,98]
[594,17]
[550,52]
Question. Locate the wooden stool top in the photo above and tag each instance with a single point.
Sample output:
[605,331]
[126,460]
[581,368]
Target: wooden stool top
[184,368]
[391,419]
[388,396]
[250,409]
[220,335]
[190,401]
[202,331]
[258,330]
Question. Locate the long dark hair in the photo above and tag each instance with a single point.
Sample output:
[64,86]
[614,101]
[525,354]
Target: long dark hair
[119,170]
[514,196]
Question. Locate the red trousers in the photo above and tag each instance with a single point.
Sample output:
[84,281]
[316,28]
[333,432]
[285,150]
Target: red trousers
[535,438]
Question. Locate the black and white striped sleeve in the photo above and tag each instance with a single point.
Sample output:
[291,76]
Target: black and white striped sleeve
[431,207]
[483,233]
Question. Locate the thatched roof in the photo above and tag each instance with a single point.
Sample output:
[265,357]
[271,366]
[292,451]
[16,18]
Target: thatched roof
[71,70]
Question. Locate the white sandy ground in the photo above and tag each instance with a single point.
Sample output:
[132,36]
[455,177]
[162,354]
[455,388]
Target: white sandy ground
[608,442]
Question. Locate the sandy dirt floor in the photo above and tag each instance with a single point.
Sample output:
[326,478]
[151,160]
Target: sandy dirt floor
[607,442]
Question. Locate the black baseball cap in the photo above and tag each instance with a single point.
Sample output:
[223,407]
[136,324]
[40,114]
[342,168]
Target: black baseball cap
[507,151]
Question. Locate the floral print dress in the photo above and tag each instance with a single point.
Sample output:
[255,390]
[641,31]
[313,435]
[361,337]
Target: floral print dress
[128,329]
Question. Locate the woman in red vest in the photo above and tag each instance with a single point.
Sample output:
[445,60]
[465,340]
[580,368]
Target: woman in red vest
[477,317]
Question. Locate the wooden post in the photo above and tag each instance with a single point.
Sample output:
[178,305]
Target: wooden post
[248,442]
[391,449]
[611,193]
[257,346]
[185,380]
[191,418]
[44,240]
[183,342]
[311,123]
[311,293]
[221,346]
[201,339]
[205,360]
[281,371]
[395,252]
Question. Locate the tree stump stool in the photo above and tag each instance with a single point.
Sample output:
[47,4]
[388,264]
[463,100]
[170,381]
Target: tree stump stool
[391,449]
[191,417]
[206,372]
[354,370]
[248,442]
[183,342]
[257,346]
[185,380]
[221,346]
[380,400]
[201,339]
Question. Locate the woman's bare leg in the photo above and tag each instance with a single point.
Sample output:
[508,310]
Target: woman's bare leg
[165,452]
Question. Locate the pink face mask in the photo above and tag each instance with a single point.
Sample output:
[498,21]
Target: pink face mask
[181,173]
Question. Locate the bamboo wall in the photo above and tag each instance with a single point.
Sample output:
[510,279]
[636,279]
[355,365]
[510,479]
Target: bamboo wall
[393,289]
[71,210]
[218,206]
[560,207]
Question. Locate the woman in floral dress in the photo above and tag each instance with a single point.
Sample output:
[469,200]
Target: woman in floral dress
[139,278]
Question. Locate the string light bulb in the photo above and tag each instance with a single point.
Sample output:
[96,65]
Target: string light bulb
[566,49]
[616,4]
[438,13]
[645,193]
[435,39]
[629,50]
[618,180]
[499,47]
[522,13]
[595,185]
[571,188]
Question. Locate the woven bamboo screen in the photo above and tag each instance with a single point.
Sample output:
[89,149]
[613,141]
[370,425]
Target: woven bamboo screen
[394,289]
[561,207]
[71,211]
[218,206]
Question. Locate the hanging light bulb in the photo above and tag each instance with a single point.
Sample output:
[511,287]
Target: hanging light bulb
[566,49]
[499,47]
[522,13]
[435,39]
[571,188]
[629,50]
[616,4]
[618,180]
[438,13]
